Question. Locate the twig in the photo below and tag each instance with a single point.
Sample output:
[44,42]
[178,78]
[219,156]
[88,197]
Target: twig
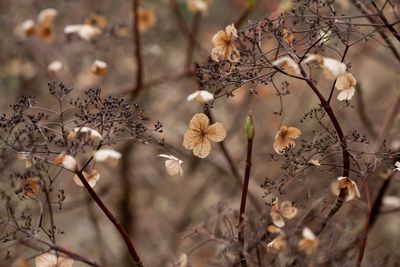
[138,48]
[363,241]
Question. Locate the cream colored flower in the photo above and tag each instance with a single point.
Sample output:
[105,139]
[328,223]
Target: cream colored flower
[91,178]
[332,68]
[87,32]
[85,132]
[346,85]
[172,165]
[29,187]
[284,138]
[285,210]
[348,184]
[67,161]
[47,16]
[199,133]
[55,67]
[147,19]
[397,165]
[96,20]
[201,96]
[51,260]
[200,6]
[279,242]
[109,156]
[224,45]
[309,243]
[26,29]
[288,65]
[99,67]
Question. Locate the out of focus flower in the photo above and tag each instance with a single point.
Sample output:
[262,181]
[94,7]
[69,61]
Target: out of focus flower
[287,36]
[196,6]
[96,20]
[109,156]
[67,161]
[397,165]
[314,162]
[92,178]
[172,165]
[309,243]
[29,187]
[147,19]
[345,84]
[348,184]
[284,210]
[86,132]
[201,96]
[224,45]
[332,68]
[47,16]
[27,157]
[27,28]
[99,67]
[284,138]
[279,242]
[200,132]
[55,67]
[87,32]
[288,65]
[183,261]
[52,260]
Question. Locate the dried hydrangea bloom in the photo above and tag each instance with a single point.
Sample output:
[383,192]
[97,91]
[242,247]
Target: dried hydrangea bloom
[288,65]
[349,185]
[29,187]
[284,138]
[200,132]
[198,6]
[201,96]
[287,36]
[55,67]
[346,85]
[279,242]
[309,243]
[52,260]
[26,29]
[110,156]
[67,161]
[224,45]
[99,68]
[47,16]
[92,178]
[96,21]
[172,165]
[147,19]
[85,132]
[279,212]
[87,32]
[397,166]
[332,68]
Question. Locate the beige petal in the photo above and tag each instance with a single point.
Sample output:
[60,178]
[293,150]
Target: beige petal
[173,167]
[346,94]
[278,244]
[287,210]
[345,81]
[352,190]
[190,138]
[308,246]
[202,148]
[293,132]
[216,132]
[51,260]
[281,144]
[199,122]
[277,219]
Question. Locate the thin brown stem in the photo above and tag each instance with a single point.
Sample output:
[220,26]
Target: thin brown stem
[363,241]
[137,49]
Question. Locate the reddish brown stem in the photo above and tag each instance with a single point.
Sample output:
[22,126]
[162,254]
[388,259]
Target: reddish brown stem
[137,48]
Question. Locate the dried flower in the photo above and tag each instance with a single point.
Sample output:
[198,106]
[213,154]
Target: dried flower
[345,84]
[285,210]
[288,36]
[183,261]
[309,243]
[67,161]
[284,138]
[201,96]
[110,156]
[99,67]
[147,19]
[172,165]
[224,45]
[196,138]
[29,187]
[397,165]
[85,132]
[314,162]
[332,68]
[54,67]
[279,242]
[87,32]
[29,161]
[96,21]
[196,6]
[47,16]
[288,65]
[348,184]
[52,260]
[91,178]
[27,29]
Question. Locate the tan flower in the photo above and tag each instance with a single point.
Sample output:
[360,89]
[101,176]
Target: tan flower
[284,138]
[67,161]
[348,184]
[99,68]
[332,68]
[29,161]
[29,187]
[91,178]
[109,156]
[26,29]
[201,96]
[224,45]
[285,210]
[288,65]
[47,16]
[55,67]
[288,36]
[279,242]
[345,84]
[96,20]
[196,138]
[309,243]
[183,261]
[85,132]
[198,6]
[172,165]
[51,260]
[87,32]
[147,19]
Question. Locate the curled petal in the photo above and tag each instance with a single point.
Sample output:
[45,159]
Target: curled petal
[346,94]
[293,132]
[277,219]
